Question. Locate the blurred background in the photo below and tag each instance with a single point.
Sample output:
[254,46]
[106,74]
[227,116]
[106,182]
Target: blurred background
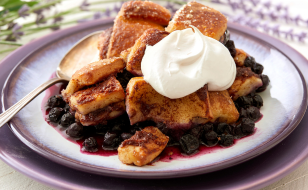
[22,21]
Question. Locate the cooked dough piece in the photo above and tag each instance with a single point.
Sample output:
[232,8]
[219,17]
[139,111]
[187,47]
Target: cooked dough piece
[146,10]
[143,147]
[92,74]
[144,103]
[209,21]
[133,19]
[149,37]
[222,107]
[101,115]
[97,97]
[245,82]
[240,57]
[103,42]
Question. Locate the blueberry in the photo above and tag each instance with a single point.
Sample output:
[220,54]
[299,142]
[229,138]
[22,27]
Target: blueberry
[208,127]
[124,78]
[125,136]
[197,131]
[211,136]
[250,62]
[223,128]
[265,81]
[55,114]
[243,112]
[56,101]
[117,128]
[111,141]
[67,108]
[173,142]
[211,143]
[257,101]
[225,37]
[257,68]
[244,101]
[237,106]
[226,140]
[248,126]
[67,119]
[231,47]
[75,130]
[133,130]
[89,130]
[253,113]
[90,145]
[101,129]
[163,128]
[189,143]
[237,131]
[146,124]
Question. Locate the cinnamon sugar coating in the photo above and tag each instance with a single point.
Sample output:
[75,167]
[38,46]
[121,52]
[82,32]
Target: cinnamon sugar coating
[103,42]
[149,37]
[209,21]
[143,147]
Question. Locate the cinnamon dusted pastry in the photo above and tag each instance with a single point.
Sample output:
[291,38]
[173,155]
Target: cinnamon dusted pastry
[97,97]
[143,147]
[245,82]
[134,18]
[91,74]
[209,21]
[149,37]
[103,42]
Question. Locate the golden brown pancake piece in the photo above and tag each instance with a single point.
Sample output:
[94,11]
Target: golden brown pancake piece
[222,107]
[240,57]
[144,103]
[143,147]
[93,73]
[134,18]
[149,37]
[103,42]
[245,82]
[97,97]
[209,21]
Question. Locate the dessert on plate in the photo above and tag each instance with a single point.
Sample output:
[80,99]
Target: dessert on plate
[162,83]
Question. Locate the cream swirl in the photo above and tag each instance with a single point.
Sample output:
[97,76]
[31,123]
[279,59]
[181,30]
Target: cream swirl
[185,61]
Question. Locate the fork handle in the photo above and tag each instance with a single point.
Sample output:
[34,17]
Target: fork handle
[9,113]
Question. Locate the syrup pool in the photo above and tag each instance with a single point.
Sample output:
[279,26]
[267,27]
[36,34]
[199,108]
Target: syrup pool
[168,154]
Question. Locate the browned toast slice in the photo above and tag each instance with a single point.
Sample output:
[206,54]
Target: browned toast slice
[209,21]
[149,37]
[103,42]
[91,74]
[143,147]
[133,19]
[245,82]
[144,103]
[97,97]
[222,107]
[101,115]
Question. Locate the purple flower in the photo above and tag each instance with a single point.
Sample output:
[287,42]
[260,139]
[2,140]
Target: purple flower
[16,33]
[273,16]
[23,10]
[170,7]
[267,5]
[97,15]
[297,19]
[289,33]
[255,2]
[247,10]
[84,5]
[217,1]
[260,13]
[302,36]
[40,19]
[276,30]
[116,8]
[55,21]
[278,7]
[286,17]
[107,12]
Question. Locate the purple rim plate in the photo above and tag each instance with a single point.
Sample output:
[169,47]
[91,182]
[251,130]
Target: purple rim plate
[255,173]
[20,82]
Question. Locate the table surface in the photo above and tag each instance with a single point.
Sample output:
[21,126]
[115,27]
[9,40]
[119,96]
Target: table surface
[298,179]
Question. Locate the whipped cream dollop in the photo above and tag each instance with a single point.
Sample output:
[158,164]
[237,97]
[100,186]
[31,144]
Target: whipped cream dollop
[185,61]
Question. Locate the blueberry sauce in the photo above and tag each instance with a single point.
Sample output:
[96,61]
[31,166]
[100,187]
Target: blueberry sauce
[169,153]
